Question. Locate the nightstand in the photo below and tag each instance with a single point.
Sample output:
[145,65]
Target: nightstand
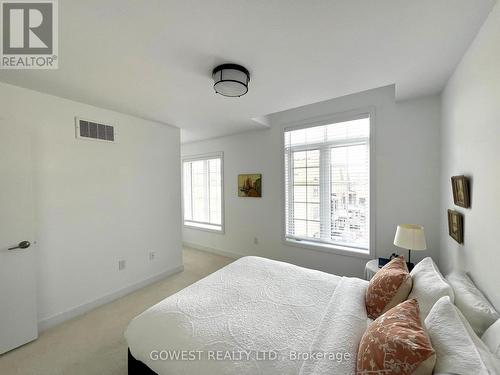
[371,269]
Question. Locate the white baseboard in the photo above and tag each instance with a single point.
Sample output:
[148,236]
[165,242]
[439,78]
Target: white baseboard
[225,253]
[86,307]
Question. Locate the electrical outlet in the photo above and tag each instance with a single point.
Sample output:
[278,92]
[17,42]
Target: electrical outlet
[255,240]
[122,264]
[152,255]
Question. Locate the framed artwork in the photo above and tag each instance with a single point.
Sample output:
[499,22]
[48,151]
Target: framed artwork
[250,185]
[456,226]
[460,187]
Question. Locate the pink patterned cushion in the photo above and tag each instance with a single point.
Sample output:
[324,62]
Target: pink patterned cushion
[396,343]
[388,287]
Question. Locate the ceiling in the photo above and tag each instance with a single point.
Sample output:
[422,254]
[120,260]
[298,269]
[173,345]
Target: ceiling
[153,58]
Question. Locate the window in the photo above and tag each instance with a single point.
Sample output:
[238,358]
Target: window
[327,185]
[202,188]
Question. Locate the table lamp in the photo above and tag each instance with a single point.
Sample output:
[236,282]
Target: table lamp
[411,237]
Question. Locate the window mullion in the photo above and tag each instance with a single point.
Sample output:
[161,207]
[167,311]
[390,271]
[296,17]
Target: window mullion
[191,188]
[291,195]
[324,181]
[208,192]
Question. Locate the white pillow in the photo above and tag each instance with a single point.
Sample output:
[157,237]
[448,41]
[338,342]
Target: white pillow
[428,286]
[472,303]
[492,338]
[458,349]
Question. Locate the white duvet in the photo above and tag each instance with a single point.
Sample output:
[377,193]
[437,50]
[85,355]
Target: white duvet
[254,316]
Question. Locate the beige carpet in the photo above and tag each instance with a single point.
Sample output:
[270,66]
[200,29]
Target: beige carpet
[93,343]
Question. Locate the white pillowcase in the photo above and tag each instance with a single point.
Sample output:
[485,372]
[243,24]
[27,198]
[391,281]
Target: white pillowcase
[458,349]
[492,338]
[428,286]
[472,303]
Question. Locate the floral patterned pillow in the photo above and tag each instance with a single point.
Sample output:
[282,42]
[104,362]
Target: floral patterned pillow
[396,343]
[388,287]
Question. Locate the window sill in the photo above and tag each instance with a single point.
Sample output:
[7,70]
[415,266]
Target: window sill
[331,249]
[204,227]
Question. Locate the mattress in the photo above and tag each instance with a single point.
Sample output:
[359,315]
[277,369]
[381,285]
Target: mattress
[254,316]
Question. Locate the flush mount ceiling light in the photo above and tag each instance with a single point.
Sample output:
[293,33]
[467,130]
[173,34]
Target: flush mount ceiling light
[231,80]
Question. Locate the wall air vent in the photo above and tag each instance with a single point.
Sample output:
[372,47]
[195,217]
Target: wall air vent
[92,130]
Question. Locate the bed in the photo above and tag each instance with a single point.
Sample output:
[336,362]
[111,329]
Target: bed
[254,316]
[259,316]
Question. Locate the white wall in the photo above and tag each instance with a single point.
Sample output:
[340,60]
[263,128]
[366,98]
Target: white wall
[406,182]
[471,146]
[97,202]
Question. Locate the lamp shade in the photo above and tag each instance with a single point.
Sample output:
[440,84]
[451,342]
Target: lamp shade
[411,237]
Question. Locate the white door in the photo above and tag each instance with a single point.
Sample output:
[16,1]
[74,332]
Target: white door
[18,315]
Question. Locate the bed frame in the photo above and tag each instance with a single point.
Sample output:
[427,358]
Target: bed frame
[136,367]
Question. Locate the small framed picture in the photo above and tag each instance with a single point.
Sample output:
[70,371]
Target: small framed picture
[250,185]
[460,187]
[456,226]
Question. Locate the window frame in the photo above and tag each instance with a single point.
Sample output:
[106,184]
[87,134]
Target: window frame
[311,244]
[212,155]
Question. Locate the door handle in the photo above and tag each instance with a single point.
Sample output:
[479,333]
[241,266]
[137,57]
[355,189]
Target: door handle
[21,245]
